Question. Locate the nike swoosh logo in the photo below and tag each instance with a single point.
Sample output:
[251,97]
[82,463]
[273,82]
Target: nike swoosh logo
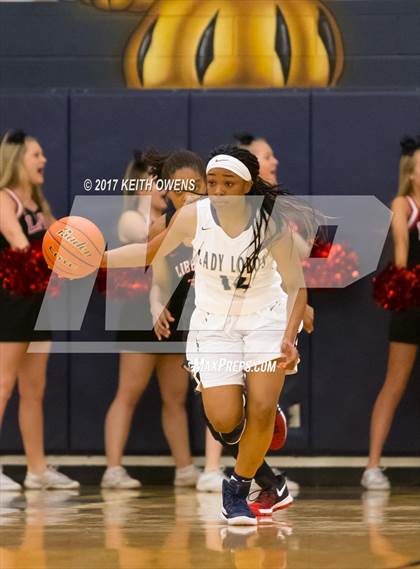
[280,492]
[205,228]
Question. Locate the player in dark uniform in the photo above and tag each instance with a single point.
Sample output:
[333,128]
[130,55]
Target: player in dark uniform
[171,303]
[25,216]
[136,367]
[404,331]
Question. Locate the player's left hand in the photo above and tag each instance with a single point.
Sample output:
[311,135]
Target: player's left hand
[289,356]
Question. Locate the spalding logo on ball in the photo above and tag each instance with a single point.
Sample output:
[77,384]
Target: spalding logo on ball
[231,43]
[73,247]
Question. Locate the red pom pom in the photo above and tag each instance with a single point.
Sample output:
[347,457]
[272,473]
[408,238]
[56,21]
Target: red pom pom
[124,283]
[24,272]
[397,288]
[415,291]
[341,266]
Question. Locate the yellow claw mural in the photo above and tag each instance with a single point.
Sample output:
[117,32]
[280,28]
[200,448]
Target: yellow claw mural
[230,44]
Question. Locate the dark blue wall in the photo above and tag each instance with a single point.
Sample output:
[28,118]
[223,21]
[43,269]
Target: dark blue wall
[72,44]
[328,143]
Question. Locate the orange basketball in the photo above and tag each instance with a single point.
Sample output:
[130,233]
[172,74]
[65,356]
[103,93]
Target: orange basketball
[73,247]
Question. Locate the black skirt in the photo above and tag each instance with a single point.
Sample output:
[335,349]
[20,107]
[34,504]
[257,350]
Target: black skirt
[18,316]
[405,327]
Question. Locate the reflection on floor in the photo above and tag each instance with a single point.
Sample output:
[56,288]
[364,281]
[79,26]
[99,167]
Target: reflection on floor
[163,528]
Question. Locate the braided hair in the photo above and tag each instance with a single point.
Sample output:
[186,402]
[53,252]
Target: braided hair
[294,212]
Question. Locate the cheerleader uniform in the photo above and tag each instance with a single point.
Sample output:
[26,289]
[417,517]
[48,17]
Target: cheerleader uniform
[405,326]
[19,313]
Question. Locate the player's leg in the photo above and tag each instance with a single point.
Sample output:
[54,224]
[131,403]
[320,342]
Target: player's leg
[401,360]
[134,375]
[263,392]
[11,354]
[173,384]
[274,494]
[224,408]
[223,405]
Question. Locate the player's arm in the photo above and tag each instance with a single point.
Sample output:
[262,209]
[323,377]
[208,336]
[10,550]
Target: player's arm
[9,224]
[182,227]
[399,227]
[159,296]
[286,254]
[304,250]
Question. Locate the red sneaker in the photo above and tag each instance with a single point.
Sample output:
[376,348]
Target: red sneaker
[280,431]
[269,500]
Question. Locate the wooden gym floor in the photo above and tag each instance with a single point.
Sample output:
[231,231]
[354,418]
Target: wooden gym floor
[163,528]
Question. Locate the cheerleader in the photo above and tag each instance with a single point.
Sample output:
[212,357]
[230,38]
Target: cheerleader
[404,331]
[264,152]
[239,316]
[25,216]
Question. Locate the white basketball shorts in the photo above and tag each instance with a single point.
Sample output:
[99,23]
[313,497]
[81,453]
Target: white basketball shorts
[223,348]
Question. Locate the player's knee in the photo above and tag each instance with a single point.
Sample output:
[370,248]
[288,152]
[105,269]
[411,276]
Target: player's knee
[224,423]
[263,412]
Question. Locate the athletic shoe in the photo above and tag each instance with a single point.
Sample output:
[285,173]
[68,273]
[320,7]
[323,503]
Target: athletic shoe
[280,431]
[235,509]
[50,479]
[7,484]
[269,500]
[210,481]
[292,485]
[187,476]
[375,479]
[117,478]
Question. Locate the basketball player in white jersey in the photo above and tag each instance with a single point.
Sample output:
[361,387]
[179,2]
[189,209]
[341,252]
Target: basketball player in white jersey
[244,254]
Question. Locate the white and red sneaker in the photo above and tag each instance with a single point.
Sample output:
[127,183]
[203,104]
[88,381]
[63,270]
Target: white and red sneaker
[270,500]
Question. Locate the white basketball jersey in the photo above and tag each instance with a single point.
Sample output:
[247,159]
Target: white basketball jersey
[220,287]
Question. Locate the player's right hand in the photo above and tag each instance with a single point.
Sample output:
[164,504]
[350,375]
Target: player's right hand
[162,324]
